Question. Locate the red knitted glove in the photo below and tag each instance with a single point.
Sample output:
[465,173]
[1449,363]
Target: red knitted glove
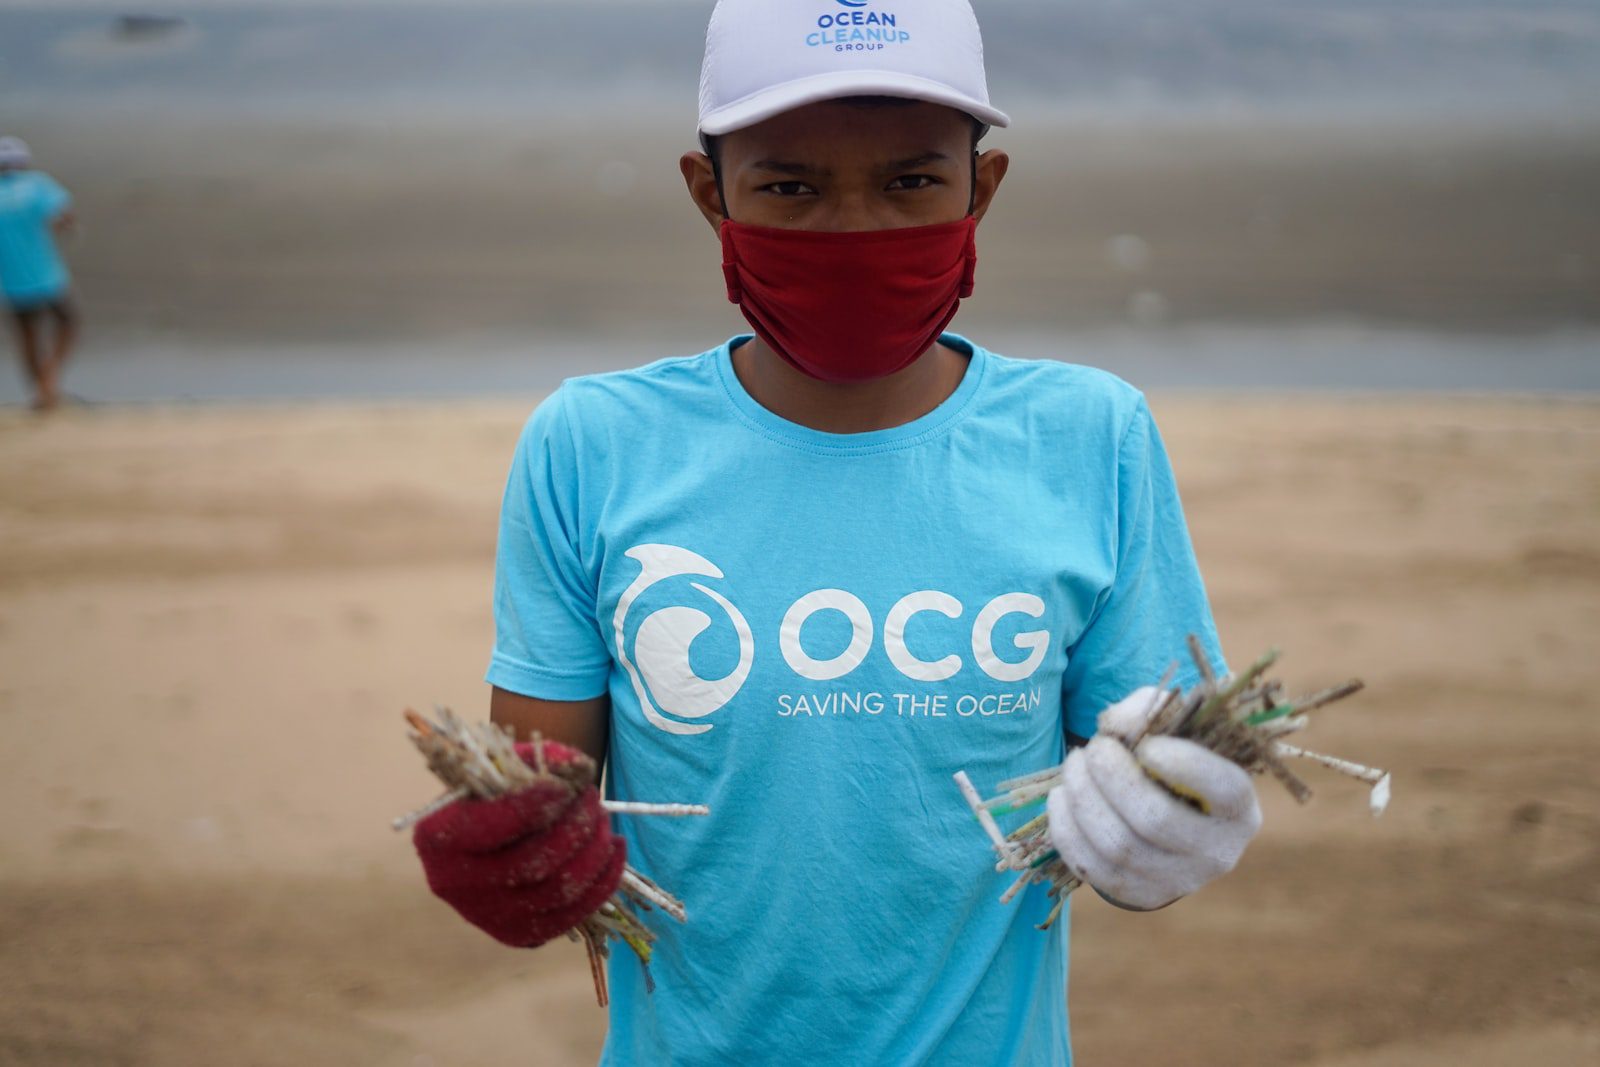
[529,866]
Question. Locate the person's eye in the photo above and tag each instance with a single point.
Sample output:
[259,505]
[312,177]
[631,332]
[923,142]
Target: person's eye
[788,189]
[913,181]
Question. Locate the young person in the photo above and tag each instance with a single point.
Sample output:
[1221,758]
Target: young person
[34,208]
[807,575]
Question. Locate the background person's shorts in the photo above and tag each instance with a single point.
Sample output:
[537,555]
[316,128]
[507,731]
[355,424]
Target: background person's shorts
[58,304]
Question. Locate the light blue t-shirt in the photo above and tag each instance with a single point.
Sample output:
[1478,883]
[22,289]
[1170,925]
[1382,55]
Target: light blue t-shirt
[811,632]
[30,267]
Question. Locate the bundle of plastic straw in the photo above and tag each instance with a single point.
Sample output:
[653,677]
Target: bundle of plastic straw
[481,762]
[1243,717]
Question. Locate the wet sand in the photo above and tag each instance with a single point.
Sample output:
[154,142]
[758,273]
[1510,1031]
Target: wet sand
[210,618]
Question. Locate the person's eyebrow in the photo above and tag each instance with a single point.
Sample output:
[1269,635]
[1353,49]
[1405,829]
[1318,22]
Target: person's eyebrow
[780,166]
[917,161]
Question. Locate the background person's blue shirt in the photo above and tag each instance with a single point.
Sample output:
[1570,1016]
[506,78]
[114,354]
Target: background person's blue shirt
[31,269]
[811,632]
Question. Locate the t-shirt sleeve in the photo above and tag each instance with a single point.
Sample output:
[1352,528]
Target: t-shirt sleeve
[1141,623]
[547,639]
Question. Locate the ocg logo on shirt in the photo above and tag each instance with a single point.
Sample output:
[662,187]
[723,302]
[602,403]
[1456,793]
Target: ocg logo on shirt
[667,685]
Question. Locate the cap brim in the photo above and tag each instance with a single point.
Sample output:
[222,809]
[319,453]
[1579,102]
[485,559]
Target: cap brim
[758,107]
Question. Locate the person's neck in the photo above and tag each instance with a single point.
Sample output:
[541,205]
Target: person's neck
[848,407]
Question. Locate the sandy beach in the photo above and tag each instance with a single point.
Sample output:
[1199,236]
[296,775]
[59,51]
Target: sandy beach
[210,619]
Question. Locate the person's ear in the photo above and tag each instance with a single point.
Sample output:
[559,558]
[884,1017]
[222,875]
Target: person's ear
[992,167]
[701,179]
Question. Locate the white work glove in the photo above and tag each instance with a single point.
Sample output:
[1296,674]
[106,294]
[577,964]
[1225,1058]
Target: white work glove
[1119,826]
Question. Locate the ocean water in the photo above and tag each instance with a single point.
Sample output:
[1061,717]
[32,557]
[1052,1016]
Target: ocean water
[1487,58]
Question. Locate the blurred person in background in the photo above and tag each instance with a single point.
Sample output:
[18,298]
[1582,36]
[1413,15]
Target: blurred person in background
[34,210]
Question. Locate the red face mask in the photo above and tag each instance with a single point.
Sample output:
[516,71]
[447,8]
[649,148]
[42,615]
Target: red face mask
[850,307]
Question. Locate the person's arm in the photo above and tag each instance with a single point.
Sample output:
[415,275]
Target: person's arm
[1116,820]
[551,662]
[1140,625]
[581,724]
[521,866]
[54,204]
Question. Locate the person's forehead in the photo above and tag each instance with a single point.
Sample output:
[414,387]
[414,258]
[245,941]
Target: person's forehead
[887,128]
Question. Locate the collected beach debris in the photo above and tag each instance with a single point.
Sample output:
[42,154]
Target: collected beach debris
[1243,718]
[481,762]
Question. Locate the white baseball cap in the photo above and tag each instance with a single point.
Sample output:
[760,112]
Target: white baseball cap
[764,57]
[14,152]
